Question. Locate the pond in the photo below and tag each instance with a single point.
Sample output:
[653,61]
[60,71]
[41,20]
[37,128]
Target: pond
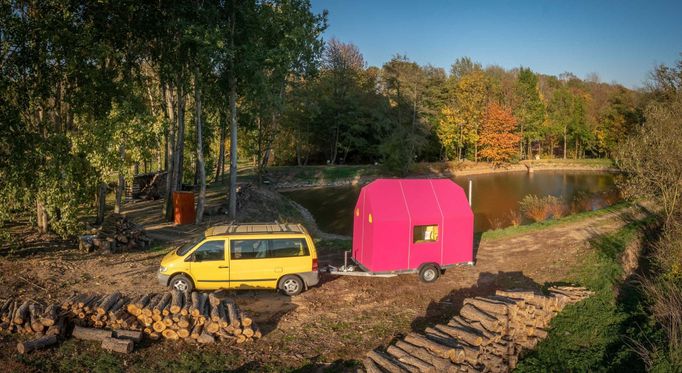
[495,197]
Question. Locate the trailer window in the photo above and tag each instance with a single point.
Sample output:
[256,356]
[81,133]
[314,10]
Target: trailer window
[425,233]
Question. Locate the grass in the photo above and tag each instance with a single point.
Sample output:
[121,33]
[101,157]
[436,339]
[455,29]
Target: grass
[593,335]
[534,227]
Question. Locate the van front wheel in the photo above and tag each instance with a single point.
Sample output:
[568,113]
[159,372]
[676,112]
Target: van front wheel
[182,283]
[291,285]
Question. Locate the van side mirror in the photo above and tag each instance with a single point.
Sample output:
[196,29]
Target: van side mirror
[191,258]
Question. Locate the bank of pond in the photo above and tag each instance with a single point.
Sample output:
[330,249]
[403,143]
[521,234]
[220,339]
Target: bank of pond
[498,200]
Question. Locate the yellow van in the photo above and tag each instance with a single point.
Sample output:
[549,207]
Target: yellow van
[244,256]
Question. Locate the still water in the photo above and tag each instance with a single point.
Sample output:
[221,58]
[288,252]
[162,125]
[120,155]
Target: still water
[495,197]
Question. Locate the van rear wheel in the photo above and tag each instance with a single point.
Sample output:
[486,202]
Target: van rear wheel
[429,273]
[181,283]
[291,285]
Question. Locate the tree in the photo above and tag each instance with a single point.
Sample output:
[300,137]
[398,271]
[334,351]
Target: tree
[498,140]
[471,97]
[463,66]
[652,159]
[529,109]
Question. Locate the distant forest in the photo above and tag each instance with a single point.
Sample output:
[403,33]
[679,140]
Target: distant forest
[94,92]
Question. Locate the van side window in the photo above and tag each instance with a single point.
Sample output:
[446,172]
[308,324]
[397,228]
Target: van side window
[248,249]
[210,251]
[270,248]
[425,233]
[282,248]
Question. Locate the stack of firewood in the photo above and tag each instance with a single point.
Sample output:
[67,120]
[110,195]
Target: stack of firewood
[117,233]
[192,316]
[488,335]
[118,322]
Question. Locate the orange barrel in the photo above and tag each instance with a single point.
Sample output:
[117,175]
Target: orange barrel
[183,205]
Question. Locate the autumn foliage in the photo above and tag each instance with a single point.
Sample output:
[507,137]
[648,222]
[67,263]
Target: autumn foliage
[498,141]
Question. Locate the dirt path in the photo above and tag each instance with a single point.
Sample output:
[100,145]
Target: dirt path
[343,317]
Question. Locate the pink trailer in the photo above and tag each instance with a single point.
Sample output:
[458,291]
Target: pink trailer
[412,225]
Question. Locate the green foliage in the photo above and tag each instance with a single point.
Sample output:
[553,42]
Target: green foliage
[593,334]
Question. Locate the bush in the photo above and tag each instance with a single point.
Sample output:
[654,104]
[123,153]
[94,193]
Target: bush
[540,208]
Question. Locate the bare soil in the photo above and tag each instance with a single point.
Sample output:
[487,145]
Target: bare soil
[337,321]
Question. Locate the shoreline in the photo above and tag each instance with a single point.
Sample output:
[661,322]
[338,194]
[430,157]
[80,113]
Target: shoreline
[289,186]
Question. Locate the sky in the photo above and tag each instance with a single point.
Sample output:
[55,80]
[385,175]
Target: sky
[621,41]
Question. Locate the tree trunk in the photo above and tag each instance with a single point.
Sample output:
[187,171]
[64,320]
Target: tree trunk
[101,202]
[565,136]
[180,140]
[170,140]
[41,217]
[233,124]
[521,142]
[220,168]
[120,188]
[200,151]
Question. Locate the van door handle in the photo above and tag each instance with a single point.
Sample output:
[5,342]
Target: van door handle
[224,267]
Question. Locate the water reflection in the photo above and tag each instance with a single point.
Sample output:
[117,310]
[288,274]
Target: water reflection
[495,197]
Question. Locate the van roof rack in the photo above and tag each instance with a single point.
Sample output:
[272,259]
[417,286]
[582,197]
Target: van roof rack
[255,228]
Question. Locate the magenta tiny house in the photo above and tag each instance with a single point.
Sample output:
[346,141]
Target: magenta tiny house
[404,225]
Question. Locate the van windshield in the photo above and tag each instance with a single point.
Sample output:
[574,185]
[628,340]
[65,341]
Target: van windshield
[182,250]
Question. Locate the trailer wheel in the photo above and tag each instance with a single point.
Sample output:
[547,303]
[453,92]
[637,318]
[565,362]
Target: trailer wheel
[291,285]
[429,273]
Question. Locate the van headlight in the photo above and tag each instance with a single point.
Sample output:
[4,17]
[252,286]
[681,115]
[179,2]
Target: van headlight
[162,269]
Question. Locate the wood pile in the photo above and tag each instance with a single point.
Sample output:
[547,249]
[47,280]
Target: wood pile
[117,233]
[489,334]
[117,322]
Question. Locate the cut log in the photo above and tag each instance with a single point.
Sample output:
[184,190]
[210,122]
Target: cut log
[194,309]
[438,349]
[183,322]
[161,305]
[490,322]
[211,327]
[49,317]
[28,346]
[135,308]
[386,362]
[245,320]
[468,335]
[232,314]
[540,333]
[34,317]
[135,336]
[205,338]
[441,364]
[183,333]
[187,297]
[213,300]
[176,302]
[371,366]
[170,334]
[215,313]
[58,328]
[90,334]
[123,346]
[488,305]
[522,294]
[107,302]
[248,332]
[21,314]
[404,357]
[196,331]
